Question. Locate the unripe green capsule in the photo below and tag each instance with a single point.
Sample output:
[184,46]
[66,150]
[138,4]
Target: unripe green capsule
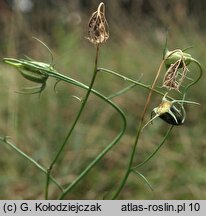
[34,75]
[171,57]
[31,70]
[34,71]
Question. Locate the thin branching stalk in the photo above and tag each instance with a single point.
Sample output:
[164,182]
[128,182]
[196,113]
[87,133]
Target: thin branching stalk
[95,161]
[108,147]
[148,87]
[139,129]
[74,123]
[143,178]
[20,152]
[121,92]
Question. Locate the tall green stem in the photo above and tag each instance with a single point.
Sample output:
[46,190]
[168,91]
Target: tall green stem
[74,123]
[111,145]
[139,129]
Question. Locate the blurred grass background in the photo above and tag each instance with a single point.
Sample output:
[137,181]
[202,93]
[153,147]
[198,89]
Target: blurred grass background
[38,125]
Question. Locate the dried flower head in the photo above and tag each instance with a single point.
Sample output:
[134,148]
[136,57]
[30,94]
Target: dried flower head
[175,75]
[97,27]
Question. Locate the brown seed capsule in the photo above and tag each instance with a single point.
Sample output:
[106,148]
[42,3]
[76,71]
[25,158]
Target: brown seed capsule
[97,27]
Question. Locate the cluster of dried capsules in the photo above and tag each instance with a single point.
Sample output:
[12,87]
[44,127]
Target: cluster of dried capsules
[172,111]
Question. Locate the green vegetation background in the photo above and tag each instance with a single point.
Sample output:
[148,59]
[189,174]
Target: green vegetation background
[39,125]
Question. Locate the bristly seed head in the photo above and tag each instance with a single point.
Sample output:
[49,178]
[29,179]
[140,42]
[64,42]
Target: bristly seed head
[97,27]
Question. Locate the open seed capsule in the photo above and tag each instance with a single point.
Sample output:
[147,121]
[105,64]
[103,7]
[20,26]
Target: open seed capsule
[174,116]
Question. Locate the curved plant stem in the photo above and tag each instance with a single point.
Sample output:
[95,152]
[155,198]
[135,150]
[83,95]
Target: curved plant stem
[131,80]
[195,81]
[6,141]
[156,150]
[95,161]
[143,178]
[133,169]
[121,92]
[74,123]
[139,129]
[101,154]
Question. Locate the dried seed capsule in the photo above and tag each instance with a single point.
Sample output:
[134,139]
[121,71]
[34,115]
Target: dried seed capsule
[98,31]
[167,111]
